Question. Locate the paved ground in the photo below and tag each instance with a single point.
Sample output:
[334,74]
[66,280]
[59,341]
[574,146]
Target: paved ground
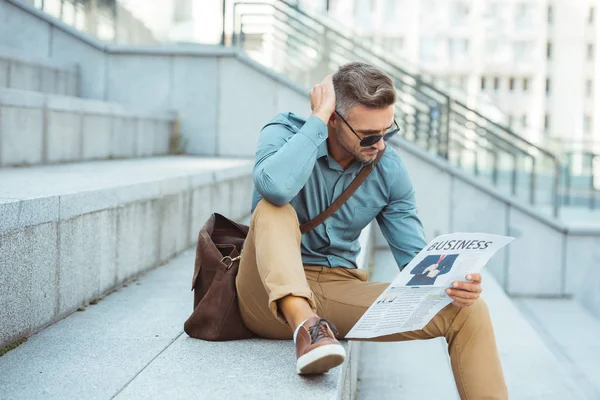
[571,333]
[131,345]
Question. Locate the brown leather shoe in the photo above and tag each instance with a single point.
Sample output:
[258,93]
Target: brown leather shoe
[317,349]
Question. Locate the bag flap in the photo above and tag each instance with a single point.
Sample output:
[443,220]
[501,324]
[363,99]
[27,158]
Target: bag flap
[218,238]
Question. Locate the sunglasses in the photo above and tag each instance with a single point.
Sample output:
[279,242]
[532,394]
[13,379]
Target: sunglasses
[370,140]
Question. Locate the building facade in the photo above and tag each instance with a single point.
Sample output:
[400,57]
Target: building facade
[534,59]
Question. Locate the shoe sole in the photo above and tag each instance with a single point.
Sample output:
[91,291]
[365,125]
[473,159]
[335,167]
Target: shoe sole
[321,359]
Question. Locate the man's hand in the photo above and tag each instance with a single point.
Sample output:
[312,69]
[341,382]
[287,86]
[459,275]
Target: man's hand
[465,293]
[322,99]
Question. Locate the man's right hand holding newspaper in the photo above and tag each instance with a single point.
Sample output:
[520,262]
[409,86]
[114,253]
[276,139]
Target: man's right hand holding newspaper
[425,286]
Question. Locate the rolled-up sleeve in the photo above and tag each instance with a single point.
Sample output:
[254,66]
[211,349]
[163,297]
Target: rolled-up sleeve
[285,160]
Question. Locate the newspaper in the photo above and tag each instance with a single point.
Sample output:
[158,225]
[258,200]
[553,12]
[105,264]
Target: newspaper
[419,292]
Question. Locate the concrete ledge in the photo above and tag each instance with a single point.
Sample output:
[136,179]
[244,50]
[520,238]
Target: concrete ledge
[19,71]
[42,129]
[49,193]
[7,53]
[71,233]
[23,98]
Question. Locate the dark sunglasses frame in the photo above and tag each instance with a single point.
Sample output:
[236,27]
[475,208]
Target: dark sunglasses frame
[370,140]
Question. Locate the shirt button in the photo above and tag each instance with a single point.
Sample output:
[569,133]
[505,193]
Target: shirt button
[320,136]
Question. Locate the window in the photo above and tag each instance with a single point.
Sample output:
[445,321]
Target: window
[496,84]
[590,51]
[458,48]
[462,82]
[587,123]
[510,120]
[460,13]
[591,15]
[549,50]
[524,120]
[550,14]
[511,84]
[429,49]
[483,83]
[524,15]
[547,86]
[392,44]
[183,10]
[546,122]
[391,11]
[589,88]
[525,84]
[524,50]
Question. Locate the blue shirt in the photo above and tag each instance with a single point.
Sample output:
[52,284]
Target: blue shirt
[293,166]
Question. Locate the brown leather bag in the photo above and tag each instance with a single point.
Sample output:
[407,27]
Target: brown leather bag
[216,315]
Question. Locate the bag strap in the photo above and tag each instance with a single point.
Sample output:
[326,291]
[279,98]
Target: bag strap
[346,194]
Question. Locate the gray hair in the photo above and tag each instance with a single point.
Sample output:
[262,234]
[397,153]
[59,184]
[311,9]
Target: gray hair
[361,83]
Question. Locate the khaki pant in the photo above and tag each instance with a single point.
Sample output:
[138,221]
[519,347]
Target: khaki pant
[271,268]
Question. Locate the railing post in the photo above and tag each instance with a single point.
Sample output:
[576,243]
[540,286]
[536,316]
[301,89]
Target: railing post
[567,194]
[495,170]
[592,189]
[446,139]
[532,183]
[556,183]
[223,32]
[514,175]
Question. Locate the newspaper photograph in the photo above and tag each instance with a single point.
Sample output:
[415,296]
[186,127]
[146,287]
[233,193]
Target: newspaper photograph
[419,292]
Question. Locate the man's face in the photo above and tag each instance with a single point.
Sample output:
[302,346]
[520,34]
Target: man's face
[365,121]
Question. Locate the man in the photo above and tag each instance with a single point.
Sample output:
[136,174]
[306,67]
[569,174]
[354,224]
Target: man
[304,286]
[430,268]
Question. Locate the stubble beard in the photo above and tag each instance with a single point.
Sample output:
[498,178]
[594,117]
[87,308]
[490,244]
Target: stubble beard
[356,154]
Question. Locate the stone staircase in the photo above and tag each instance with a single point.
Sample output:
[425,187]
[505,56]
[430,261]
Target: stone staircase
[91,203]
[73,230]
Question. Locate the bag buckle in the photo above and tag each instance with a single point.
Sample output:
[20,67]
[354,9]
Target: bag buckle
[230,260]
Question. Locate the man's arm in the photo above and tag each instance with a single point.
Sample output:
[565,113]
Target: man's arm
[399,222]
[284,161]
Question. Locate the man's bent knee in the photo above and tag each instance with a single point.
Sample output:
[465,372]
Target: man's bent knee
[265,209]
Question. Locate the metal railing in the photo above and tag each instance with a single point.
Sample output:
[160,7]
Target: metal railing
[107,20]
[299,45]
[586,181]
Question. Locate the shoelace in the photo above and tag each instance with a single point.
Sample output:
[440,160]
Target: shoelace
[319,330]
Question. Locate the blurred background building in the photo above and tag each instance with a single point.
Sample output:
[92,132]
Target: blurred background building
[532,62]
[534,59]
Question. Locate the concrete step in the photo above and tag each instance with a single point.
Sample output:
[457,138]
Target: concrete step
[393,370]
[131,345]
[44,129]
[24,72]
[71,233]
[571,332]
